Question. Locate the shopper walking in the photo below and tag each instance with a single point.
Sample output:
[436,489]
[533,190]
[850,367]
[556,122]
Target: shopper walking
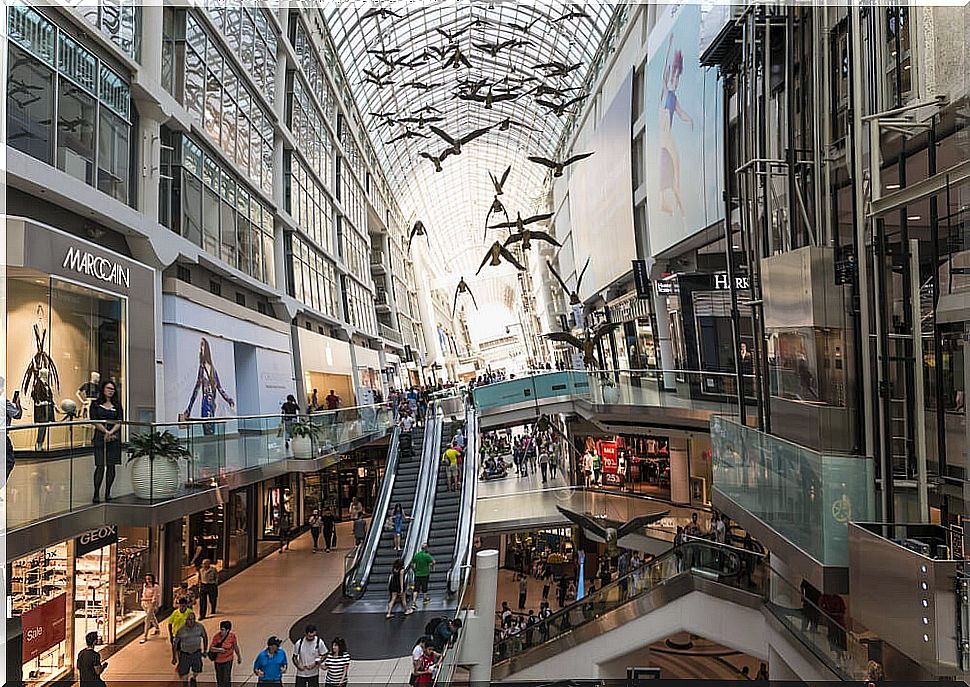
[89,664]
[285,523]
[177,619]
[190,640]
[360,529]
[356,507]
[329,531]
[315,521]
[337,663]
[396,588]
[290,409]
[423,563]
[553,462]
[151,595]
[544,465]
[523,591]
[222,649]
[308,654]
[422,658]
[450,460]
[208,589]
[107,439]
[270,665]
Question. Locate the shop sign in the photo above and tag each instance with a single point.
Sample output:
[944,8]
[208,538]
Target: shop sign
[641,278]
[96,267]
[665,287]
[607,451]
[95,539]
[44,627]
[612,478]
[720,282]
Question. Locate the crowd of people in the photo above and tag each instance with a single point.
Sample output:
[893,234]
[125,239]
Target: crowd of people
[535,451]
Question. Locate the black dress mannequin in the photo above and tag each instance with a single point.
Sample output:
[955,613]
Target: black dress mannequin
[43,398]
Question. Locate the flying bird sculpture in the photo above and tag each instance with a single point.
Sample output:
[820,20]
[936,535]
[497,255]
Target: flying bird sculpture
[498,183]
[607,531]
[496,252]
[457,143]
[574,14]
[381,12]
[558,167]
[496,208]
[462,288]
[573,295]
[436,160]
[586,345]
[526,236]
[408,133]
[520,224]
[559,108]
[417,229]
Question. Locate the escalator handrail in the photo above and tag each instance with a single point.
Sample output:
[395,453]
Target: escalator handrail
[355,581]
[464,545]
[543,627]
[423,507]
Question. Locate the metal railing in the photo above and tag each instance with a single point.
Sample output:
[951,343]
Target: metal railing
[357,569]
[390,333]
[56,463]
[464,545]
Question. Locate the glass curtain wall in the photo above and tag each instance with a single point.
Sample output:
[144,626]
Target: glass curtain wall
[48,72]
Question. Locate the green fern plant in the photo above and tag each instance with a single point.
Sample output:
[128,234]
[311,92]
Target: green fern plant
[305,427]
[155,444]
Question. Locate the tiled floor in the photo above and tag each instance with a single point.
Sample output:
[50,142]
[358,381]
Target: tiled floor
[266,599]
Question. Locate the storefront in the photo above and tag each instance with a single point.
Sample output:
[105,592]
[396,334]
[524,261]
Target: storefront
[699,307]
[78,315]
[203,537]
[277,496]
[676,468]
[325,364]
[357,474]
[89,584]
[634,337]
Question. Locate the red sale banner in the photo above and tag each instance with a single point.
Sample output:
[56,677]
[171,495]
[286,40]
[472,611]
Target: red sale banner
[44,627]
[607,451]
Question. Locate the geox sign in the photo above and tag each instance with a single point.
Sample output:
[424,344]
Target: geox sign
[96,267]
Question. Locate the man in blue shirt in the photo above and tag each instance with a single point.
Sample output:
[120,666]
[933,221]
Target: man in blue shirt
[271,663]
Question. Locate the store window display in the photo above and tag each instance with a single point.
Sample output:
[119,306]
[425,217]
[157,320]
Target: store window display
[39,589]
[76,337]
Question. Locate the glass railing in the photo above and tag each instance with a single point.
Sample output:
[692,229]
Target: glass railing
[58,463]
[806,496]
[715,392]
[445,673]
[719,563]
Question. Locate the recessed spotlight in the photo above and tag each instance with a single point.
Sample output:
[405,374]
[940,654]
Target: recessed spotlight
[926,638]
[892,186]
[914,218]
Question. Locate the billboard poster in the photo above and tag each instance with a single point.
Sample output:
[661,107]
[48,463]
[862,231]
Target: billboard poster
[44,627]
[683,110]
[607,452]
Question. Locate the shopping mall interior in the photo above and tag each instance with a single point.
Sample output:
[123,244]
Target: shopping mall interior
[579,343]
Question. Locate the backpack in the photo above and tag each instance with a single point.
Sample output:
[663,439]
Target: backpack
[299,645]
[433,625]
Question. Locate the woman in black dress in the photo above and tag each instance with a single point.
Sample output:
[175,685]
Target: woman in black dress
[107,438]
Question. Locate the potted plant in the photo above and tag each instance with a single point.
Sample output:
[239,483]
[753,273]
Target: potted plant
[154,457]
[303,432]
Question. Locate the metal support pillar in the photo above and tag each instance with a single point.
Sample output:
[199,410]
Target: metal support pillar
[477,647]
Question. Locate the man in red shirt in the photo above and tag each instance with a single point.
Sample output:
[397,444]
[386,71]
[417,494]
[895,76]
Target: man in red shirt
[332,400]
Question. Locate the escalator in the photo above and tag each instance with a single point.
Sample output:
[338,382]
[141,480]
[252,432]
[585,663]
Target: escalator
[712,590]
[402,492]
[444,522]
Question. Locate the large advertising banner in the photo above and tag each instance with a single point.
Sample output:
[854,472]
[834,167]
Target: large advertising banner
[683,110]
[44,627]
[203,384]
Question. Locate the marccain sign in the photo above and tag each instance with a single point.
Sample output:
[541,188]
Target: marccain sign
[96,267]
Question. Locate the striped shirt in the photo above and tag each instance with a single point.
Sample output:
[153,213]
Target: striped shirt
[336,667]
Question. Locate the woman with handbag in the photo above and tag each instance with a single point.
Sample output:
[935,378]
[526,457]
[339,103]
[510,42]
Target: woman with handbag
[222,648]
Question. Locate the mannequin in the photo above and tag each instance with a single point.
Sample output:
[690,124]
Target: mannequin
[43,398]
[87,392]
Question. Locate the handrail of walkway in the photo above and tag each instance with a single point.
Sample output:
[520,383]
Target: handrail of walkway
[356,577]
[464,545]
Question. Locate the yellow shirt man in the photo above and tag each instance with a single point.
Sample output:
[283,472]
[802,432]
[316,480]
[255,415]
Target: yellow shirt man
[177,619]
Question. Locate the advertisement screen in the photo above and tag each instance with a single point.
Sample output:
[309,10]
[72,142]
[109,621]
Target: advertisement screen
[683,111]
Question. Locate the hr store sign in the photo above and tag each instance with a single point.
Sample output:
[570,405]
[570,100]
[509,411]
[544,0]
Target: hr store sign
[96,266]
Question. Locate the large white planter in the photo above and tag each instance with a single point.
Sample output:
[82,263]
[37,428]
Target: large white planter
[302,447]
[611,394]
[154,479]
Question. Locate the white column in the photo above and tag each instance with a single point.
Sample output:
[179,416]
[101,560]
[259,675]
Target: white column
[477,646]
[679,471]
[661,340]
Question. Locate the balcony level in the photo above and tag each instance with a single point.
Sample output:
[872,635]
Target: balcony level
[50,493]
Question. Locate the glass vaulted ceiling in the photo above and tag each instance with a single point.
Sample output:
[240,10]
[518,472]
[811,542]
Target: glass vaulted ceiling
[454,203]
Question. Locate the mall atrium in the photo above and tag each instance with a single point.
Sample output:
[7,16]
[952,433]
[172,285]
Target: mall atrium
[484,341]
